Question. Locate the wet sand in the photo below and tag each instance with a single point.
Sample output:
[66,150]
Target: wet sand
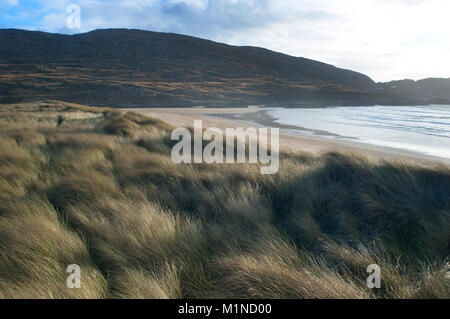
[223,118]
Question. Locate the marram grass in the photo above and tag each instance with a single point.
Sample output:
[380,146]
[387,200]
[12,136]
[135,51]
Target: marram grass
[96,187]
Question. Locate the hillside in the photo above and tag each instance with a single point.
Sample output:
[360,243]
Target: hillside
[118,67]
[426,91]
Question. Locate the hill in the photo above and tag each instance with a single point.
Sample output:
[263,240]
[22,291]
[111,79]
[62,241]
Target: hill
[120,67]
[426,91]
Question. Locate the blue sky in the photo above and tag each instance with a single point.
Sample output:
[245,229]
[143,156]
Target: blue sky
[385,39]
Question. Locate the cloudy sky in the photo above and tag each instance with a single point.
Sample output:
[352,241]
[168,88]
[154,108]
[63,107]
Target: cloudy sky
[385,39]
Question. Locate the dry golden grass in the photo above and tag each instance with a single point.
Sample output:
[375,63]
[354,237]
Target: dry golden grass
[96,187]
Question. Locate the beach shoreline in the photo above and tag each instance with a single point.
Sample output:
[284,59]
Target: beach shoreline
[291,138]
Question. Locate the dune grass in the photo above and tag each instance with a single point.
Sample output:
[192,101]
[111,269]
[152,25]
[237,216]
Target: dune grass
[96,187]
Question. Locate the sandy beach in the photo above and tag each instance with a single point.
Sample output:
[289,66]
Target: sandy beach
[223,118]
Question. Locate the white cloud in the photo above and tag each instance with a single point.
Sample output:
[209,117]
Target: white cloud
[385,40]
[9,3]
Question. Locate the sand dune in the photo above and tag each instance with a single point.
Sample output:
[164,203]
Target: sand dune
[225,118]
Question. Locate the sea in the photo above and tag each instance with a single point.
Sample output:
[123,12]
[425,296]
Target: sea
[420,129]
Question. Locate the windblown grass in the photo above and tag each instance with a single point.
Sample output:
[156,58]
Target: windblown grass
[96,187]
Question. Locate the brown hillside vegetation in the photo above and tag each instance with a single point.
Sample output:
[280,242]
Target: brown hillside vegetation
[120,67]
[131,68]
[96,187]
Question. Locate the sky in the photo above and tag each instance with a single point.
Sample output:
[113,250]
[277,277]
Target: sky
[384,39]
